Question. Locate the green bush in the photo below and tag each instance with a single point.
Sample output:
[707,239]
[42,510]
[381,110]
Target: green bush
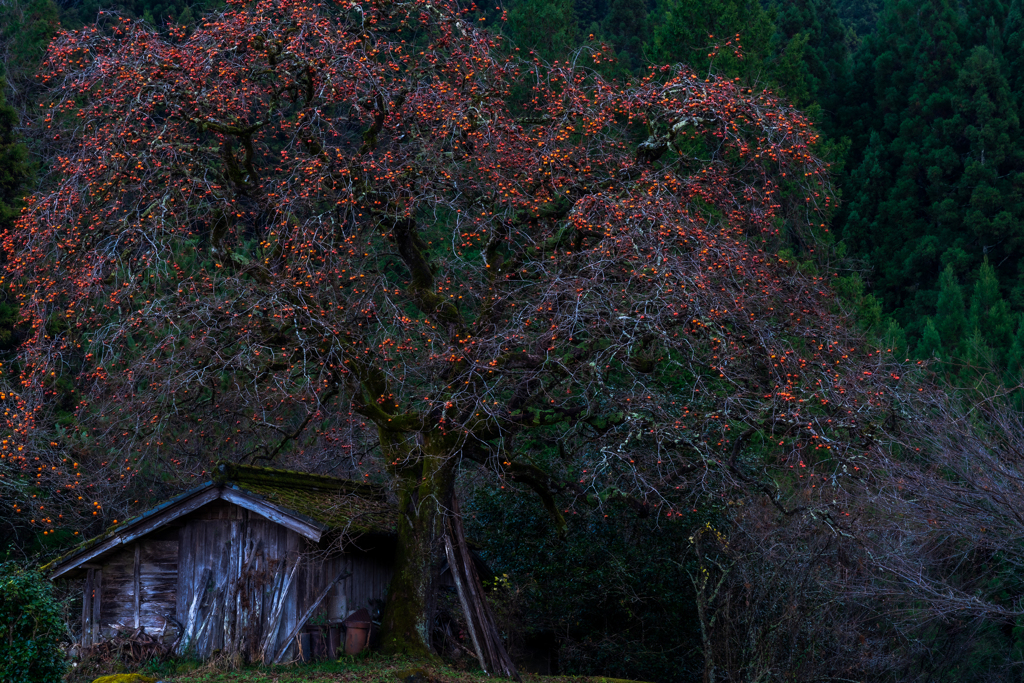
[32,628]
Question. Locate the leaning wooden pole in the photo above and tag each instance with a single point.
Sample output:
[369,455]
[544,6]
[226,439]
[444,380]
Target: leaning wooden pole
[494,658]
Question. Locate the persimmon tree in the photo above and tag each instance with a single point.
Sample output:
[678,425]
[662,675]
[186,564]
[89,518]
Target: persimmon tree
[300,220]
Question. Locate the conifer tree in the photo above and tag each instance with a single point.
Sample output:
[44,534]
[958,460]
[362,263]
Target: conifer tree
[627,25]
[951,319]
[696,33]
[547,26]
[1014,373]
[15,174]
[930,345]
[990,314]
[824,52]
[935,161]
[14,166]
[859,15]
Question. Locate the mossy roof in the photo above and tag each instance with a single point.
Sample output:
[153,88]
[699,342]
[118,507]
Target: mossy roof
[330,503]
[337,504]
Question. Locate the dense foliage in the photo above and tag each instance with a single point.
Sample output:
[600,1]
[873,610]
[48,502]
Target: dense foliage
[32,630]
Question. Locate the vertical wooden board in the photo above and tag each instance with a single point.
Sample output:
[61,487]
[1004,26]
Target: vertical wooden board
[274,567]
[87,609]
[223,579]
[184,593]
[359,593]
[347,583]
[116,604]
[208,551]
[137,585]
[187,576]
[229,590]
[215,552]
[280,535]
[197,592]
[159,586]
[97,600]
[292,609]
[241,599]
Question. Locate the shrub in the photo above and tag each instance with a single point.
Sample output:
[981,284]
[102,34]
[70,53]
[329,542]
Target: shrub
[32,628]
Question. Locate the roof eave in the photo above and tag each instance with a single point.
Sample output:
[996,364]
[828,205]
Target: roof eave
[148,521]
[179,506]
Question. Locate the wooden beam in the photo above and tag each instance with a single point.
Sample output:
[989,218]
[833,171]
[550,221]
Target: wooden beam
[308,528]
[199,591]
[460,590]
[275,615]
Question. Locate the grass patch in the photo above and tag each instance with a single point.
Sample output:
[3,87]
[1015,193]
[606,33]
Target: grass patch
[370,668]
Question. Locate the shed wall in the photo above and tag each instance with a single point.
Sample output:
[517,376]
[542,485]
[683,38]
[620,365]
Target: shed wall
[237,591]
[134,588]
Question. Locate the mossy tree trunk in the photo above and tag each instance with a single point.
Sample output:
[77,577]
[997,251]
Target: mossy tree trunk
[425,479]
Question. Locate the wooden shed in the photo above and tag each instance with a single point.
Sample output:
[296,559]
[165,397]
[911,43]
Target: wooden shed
[258,563]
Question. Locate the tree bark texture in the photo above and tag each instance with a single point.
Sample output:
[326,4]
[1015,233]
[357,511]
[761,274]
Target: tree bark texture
[408,616]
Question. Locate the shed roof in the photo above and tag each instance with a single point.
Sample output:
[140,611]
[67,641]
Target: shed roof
[309,504]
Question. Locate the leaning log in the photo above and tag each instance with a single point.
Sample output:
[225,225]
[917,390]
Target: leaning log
[491,652]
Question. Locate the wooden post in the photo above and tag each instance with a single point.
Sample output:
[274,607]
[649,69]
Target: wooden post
[234,570]
[460,590]
[203,631]
[137,585]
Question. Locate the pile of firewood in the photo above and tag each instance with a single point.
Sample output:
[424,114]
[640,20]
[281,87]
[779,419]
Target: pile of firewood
[131,647]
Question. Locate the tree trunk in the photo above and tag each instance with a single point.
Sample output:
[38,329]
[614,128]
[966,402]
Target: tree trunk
[430,529]
[423,489]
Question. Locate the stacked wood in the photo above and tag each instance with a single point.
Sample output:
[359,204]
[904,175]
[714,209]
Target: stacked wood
[132,648]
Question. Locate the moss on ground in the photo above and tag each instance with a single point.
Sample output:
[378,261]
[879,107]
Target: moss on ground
[364,669]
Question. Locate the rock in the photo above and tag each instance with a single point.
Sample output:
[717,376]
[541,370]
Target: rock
[413,676]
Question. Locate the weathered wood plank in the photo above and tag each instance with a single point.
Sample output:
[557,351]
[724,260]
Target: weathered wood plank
[310,530]
[95,551]
[97,601]
[231,587]
[283,596]
[136,531]
[193,612]
[185,569]
[137,587]
[87,610]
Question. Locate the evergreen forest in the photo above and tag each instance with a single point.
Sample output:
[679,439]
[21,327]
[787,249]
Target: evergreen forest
[709,313]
